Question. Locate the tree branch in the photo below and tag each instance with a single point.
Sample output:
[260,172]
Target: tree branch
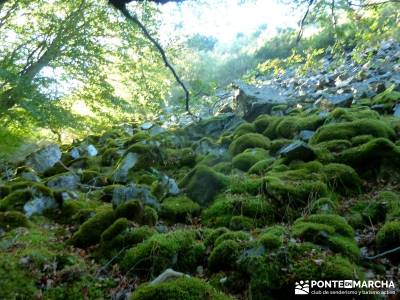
[146,33]
[383,253]
[303,20]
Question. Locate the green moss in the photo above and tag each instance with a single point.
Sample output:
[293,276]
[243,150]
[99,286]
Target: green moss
[249,140]
[148,155]
[337,222]
[244,161]
[137,137]
[389,96]
[224,256]
[338,268]
[244,129]
[334,145]
[203,183]
[263,121]
[12,219]
[323,205]
[211,235]
[240,237]
[293,191]
[89,232]
[179,157]
[361,139]
[179,209]
[228,206]
[159,252]
[132,210]
[272,238]
[116,228]
[371,153]
[261,167]
[388,237]
[244,184]
[184,288]
[348,130]
[150,216]
[328,230]
[110,156]
[351,114]
[343,179]
[371,211]
[241,223]
[223,167]
[278,144]
[17,199]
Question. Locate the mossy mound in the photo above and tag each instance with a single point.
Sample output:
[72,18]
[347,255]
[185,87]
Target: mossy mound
[203,183]
[12,219]
[249,140]
[373,153]
[273,237]
[89,232]
[244,161]
[348,130]
[184,288]
[328,230]
[256,210]
[388,237]
[343,179]
[162,251]
[224,256]
[179,209]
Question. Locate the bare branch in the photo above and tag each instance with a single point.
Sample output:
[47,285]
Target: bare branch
[303,20]
[146,33]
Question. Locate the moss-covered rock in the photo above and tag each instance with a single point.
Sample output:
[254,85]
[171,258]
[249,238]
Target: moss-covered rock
[328,230]
[132,210]
[262,166]
[89,232]
[249,140]
[184,288]
[150,216]
[159,252]
[272,238]
[342,178]
[203,183]
[12,219]
[179,209]
[257,210]
[348,130]
[224,256]
[370,154]
[244,161]
[388,237]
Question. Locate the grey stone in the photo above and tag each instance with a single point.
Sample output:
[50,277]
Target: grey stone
[74,153]
[91,151]
[396,110]
[39,204]
[134,191]
[251,101]
[64,181]
[44,159]
[297,150]
[127,163]
[340,100]
[146,126]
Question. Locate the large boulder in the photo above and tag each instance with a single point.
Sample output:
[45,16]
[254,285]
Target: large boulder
[251,101]
[45,158]
[122,194]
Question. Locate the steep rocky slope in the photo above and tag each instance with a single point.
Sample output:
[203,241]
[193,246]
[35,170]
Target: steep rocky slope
[244,208]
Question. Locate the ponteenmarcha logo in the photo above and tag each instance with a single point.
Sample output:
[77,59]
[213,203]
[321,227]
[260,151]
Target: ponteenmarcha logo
[302,287]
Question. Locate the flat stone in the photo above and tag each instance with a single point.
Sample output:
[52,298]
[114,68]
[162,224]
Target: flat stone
[297,150]
[305,135]
[67,181]
[44,159]
[134,191]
